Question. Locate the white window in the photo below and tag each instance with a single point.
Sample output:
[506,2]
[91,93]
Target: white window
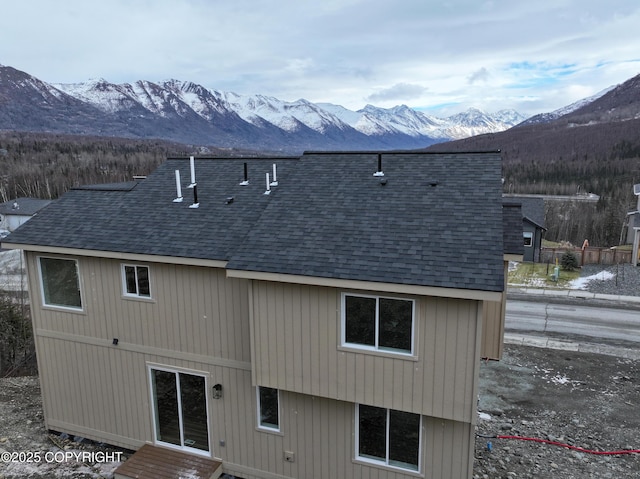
[60,282]
[388,437]
[528,238]
[268,408]
[378,323]
[135,280]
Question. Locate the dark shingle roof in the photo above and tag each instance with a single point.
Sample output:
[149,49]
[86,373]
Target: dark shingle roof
[143,219]
[329,217]
[512,227]
[334,219]
[532,209]
[23,206]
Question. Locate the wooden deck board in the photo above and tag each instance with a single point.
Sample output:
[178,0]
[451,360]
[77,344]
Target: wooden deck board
[153,462]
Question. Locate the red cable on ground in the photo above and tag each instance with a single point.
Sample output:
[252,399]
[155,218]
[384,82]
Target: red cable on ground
[568,446]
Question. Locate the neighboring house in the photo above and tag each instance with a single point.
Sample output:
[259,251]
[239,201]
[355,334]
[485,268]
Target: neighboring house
[15,212]
[632,224]
[329,329]
[533,225]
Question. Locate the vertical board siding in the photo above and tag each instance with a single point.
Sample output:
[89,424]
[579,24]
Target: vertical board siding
[296,347]
[449,449]
[492,330]
[493,318]
[108,397]
[97,390]
[192,309]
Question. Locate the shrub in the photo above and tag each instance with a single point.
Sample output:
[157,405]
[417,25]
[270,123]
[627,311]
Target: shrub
[569,261]
[16,340]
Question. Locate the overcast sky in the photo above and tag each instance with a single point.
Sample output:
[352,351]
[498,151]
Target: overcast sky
[441,57]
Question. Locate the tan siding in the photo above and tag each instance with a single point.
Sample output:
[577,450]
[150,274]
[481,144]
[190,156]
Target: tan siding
[449,448]
[192,309]
[319,431]
[313,363]
[101,391]
[99,403]
[493,318]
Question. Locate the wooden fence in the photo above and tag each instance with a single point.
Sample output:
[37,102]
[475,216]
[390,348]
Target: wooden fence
[588,255]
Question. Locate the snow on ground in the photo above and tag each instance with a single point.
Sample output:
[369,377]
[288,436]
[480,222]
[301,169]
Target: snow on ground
[582,282]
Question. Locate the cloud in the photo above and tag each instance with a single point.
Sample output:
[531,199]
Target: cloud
[398,92]
[481,75]
[463,52]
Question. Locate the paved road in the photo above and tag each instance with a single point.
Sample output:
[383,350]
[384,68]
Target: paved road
[571,320]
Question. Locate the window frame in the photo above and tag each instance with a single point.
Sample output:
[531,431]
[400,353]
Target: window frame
[528,235]
[136,295]
[376,348]
[176,370]
[43,292]
[260,425]
[386,463]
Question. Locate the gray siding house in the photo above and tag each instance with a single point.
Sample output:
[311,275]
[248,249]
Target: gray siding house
[328,324]
[533,226]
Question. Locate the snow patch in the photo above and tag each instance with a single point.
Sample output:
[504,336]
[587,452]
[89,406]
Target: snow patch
[483,416]
[583,282]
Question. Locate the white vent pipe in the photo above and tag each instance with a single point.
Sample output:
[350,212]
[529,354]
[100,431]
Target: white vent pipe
[192,165]
[178,188]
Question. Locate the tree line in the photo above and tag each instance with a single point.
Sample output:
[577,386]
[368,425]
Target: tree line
[46,166]
[570,157]
[602,222]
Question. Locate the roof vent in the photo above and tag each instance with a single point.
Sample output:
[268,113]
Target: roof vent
[379,172]
[246,176]
[229,200]
[275,177]
[178,188]
[268,190]
[193,172]
[383,181]
[434,183]
[195,203]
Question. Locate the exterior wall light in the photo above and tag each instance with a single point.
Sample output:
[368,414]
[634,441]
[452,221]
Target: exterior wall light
[217,391]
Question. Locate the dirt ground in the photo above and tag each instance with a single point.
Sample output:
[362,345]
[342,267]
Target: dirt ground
[586,400]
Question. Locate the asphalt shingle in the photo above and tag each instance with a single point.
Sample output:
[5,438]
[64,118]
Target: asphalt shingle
[23,206]
[512,227]
[347,225]
[328,217]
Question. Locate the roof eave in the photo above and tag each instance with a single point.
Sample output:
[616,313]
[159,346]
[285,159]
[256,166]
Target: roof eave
[368,285]
[212,263]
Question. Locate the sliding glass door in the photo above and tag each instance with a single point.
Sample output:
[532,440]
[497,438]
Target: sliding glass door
[180,409]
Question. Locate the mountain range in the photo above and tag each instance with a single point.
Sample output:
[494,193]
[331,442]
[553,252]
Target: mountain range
[185,112]
[595,131]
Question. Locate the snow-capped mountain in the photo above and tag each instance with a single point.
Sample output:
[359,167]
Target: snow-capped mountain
[288,116]
[188,112]
[565,110]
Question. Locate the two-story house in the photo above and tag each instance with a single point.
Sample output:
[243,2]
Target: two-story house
[327,324]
